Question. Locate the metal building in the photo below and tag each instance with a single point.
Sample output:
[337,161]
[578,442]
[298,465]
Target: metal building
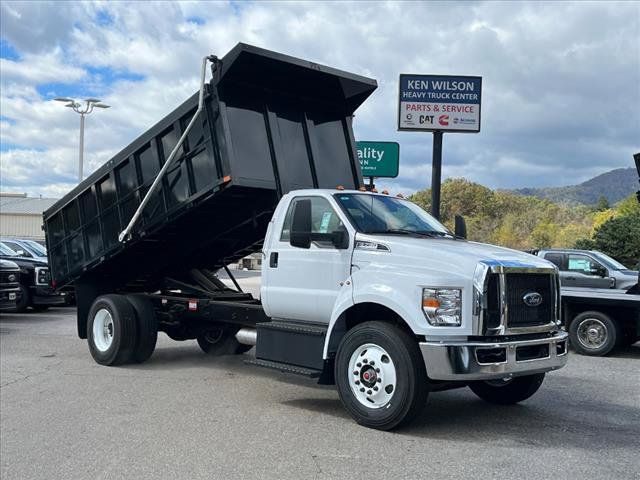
[21,216]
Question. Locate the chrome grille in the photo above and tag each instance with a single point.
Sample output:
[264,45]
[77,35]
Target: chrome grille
[519,314]
[499,291]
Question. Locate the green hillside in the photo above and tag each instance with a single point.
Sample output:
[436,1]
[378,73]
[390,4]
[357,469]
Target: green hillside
[527,222]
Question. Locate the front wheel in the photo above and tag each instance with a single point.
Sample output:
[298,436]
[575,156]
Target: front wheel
[593,333]
[508,392]
[380,375]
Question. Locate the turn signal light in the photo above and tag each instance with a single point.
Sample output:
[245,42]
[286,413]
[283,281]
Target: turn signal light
[362,189]
[339,187]
[385,192]
[430,303]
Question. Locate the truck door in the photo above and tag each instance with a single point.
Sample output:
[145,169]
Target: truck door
[584,271]
[559,260]
[302,284]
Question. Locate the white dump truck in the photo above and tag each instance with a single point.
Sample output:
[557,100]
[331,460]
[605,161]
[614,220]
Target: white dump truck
[362,290]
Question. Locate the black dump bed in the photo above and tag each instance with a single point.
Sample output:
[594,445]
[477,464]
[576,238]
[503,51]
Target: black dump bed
[272,123]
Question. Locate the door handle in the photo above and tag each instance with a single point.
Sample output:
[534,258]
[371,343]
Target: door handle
[273,260]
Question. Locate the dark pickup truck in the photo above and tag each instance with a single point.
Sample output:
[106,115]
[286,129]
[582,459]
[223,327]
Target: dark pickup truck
[34,283]
[9,285]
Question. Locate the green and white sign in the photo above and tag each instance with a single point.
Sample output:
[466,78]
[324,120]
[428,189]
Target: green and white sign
[379,159]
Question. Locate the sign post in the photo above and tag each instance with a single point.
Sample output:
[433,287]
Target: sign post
[438,104]
[378,159]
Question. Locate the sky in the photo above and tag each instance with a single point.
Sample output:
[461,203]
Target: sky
[561,81]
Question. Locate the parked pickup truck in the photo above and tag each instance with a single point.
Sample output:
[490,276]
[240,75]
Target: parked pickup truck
[361,290]
[9,285]
[34,283]
[590,269]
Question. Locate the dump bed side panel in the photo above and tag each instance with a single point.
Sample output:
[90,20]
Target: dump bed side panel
[255,141]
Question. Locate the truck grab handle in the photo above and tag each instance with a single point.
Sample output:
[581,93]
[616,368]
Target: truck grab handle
[126,233]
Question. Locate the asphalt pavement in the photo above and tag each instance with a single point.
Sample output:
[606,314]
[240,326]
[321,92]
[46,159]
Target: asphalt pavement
[183,415]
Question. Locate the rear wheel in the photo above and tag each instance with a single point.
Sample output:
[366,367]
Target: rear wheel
[221,340]
[111,330]
[593,333]
[508,392]
[380,375]
[147,327]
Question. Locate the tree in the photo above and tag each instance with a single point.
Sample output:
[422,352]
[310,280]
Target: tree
[620,238]
[628,206]
[584,244]
[603,204]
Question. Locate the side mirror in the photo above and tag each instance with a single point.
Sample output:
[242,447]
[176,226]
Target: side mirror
[300,235]
[340,239]
[599,271]
[22,253]
[461,227]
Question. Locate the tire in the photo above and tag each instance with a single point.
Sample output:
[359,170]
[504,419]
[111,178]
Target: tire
[403,372]
[593,333]
[509,392]
[221,340]
[147,328]
[25,300]
[113,339]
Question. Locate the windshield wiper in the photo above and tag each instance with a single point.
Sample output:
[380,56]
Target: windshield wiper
[403,231]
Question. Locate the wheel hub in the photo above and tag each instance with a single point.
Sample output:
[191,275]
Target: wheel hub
[372,376]
[592,333]
[103,330]
[368,376]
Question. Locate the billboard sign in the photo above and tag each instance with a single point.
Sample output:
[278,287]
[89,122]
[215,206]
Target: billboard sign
[379,159]
[445,103]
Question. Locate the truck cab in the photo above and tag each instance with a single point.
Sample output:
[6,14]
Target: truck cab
[590,269]
[337,261]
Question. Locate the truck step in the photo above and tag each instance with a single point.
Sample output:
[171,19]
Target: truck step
[304,328]
[285,368]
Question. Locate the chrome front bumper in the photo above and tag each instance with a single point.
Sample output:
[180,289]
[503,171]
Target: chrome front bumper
[468,361]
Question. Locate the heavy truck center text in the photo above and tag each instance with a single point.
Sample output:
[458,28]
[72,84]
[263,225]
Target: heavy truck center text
[456,87]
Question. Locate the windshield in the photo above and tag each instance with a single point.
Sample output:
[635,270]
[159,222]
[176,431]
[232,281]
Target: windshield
[36,248]
[609,262]
[4,250]
[382,214]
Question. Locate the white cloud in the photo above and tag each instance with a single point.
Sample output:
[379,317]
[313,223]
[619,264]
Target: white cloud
[559,96]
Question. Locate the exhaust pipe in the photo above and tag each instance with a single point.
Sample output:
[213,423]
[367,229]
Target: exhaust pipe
[247,336]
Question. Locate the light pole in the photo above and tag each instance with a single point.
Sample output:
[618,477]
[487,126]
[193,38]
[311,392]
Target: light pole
[90,104]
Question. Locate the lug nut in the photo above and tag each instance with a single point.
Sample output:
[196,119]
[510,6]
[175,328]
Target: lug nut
[362,389]
[375,388]
[369,392]
[365,361]
[372,363]
[377,370]
[358,364]
[379,380]
[357,382]
[356,372]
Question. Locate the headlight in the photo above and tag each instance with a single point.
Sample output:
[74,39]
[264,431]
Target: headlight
[42,276]
[442,306]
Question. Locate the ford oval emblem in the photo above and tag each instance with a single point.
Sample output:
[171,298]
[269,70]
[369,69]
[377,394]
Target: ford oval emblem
[532,299]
